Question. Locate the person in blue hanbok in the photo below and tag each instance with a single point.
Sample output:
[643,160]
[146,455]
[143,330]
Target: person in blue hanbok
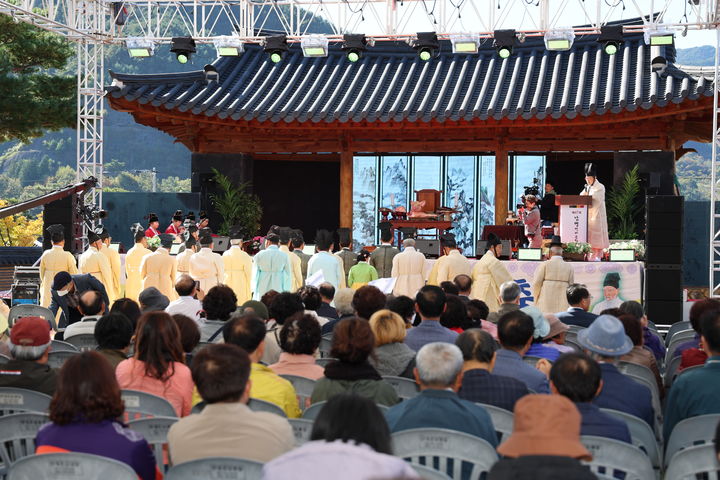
[331,265]
[271,269]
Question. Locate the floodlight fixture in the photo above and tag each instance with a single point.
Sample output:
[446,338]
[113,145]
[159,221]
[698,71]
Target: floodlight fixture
[314,46]
[140,47]
[658,35]
[658,62]
[611,36]
[183,48]
[504,42]
[354,45]
[560,39]
[211,74]
[276,46]
[228,46]
[465,43]
[427,45]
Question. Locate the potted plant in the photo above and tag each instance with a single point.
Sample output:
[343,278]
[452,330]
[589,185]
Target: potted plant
[236,206]
[576,251]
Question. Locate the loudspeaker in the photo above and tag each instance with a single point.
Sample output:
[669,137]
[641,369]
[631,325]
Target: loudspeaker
[664,312]
[64,212]
[664,230]
[430,248]
[663,283]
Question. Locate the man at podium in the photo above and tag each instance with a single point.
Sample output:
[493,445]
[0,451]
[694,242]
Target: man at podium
[597,218]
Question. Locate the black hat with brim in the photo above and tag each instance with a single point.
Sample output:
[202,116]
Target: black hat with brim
[493,240]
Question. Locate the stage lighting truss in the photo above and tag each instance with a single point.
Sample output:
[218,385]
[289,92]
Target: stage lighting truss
[140,47]
[611,36]
[427,45]
[465,43]
[314,46]
[559,39]
[354,45]
[228,46]
[276,46]
[183,48]
[504,42]
[658,35]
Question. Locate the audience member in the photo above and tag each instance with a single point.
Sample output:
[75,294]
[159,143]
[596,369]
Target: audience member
[650,339]
[430,303]
[510,298]
[219,303]
[344,306]
[268,298]
[187,304]
[255,307]
[299,339]
[403,306]
[152,300]
[578,377]
[91,307]
[479,384]
[157,366]
[284,306]
[579,299]
[696,393]
[368,300]
[464,285]
[449,288]
[606,342]
[542,329]
[350,440]
[362,272]
[113,334]
[478,312]
[690,351]
[353,342]
[438,371]
[129,308]
[455,316]
[248,333]
[84,416]
[226,427]
[29,346]
[391,356]
[556,338]
[327,294]
[640,355]
[65,294]
[189,334]
[515,332]
[613,312]
[310,297]
[545,443]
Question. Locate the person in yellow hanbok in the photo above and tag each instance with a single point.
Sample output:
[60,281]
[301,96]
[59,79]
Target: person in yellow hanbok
[54,260]
[95,263]
[159,269]
[113,257]
[238,268]
[133,259]
[488,274]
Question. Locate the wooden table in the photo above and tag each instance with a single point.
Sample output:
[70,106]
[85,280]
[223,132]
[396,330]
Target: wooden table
[421,224]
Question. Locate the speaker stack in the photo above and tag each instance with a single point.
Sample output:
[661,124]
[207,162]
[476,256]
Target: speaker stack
[663,258]
[65,212]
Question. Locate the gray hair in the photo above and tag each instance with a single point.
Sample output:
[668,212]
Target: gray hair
[236,241]
[409,242]
[30,354]
[509,291]
[439,363]
[343,301]
[556,250]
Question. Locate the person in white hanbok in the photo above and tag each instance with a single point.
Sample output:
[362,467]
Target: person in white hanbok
[598,237]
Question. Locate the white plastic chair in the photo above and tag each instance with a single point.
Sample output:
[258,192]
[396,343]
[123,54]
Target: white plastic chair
[313,410]
[614,457]
[428,473]
[324,361]
[4,359]
[691,432]
[70,466]
[14,400]
[258,405]
[17,436]
[142,405]
[216,467]
[83,341]
[60,346]
[449,449]
[531,360]
[690,463]
[503,420]
[404,387]
[57,359]
[671,370]
[642,435]
[675,328]
[26,310]
[303,388]
[302,428]
[325,345]
[155,431]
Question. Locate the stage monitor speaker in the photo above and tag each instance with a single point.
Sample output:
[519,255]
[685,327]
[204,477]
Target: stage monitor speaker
[663,283]
[428,247]
[664,230]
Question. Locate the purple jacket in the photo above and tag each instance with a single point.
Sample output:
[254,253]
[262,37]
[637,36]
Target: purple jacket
[654,344]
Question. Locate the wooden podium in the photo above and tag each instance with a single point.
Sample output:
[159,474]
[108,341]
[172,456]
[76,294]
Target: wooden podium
[573,217]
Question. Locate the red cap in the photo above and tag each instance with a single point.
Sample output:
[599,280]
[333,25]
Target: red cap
[30,332]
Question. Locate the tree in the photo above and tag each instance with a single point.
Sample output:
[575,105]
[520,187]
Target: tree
[18,230]
[36,99]
[236,206]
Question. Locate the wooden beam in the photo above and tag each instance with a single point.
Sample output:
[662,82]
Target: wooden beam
[501,186]
[346,186]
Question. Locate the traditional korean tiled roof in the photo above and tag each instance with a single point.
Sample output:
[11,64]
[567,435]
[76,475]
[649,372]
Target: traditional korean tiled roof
[391,83]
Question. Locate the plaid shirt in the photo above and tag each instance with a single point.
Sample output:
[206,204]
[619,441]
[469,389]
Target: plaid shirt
[481,386]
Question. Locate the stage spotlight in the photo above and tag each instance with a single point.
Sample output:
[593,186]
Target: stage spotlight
[228,46]
[183,48]
[504,42]
[314,46]
[611,36]
[427,45]
[140,47]
[658,36]
[276,46]
[354,45]
[560,39]
[211,74]
[465,43]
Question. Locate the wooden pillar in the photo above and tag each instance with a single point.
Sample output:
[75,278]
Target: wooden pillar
[346,187]
[501,186]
